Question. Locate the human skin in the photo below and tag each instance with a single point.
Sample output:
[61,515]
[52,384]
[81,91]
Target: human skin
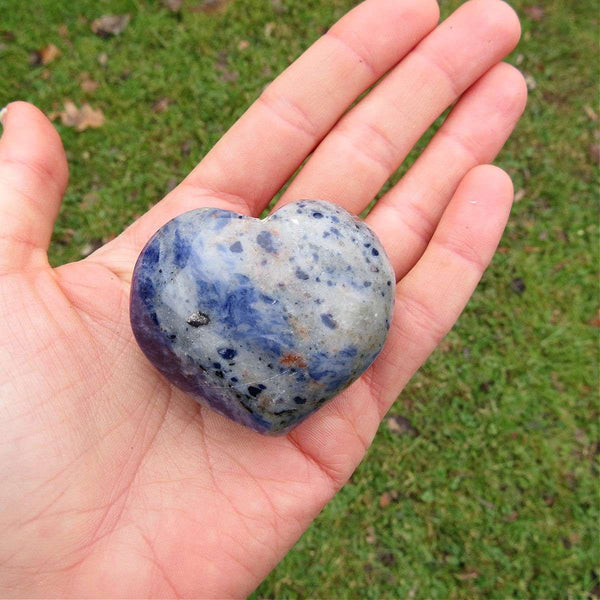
[114,483]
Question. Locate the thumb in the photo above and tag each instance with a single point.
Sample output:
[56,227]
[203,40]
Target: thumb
[33,178]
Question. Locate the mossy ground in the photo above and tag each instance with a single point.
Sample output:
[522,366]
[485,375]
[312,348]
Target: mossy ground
[494,492]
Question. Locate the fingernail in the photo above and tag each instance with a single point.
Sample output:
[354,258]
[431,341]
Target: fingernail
[3,112]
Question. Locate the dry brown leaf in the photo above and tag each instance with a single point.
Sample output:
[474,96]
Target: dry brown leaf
[401,426]
[173,5]
[519,195]
[89,86]
[470,574]
[49,53]
[385,499]
[108,25]
[269,27]
[535,13]
[35,58]
[91,246]
[243,44]
[530,81]
[590,112]
[161,105]
[81,118]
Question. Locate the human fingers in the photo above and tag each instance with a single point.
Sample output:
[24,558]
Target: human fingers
[369,143]
[264,148]
[33,178]
[430,298]
[474,132]
[428,302]
[268,143]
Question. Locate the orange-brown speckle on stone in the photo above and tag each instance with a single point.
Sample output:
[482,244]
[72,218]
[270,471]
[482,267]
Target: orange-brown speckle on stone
[292,360]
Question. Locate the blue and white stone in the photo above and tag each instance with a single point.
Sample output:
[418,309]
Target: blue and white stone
[263,320]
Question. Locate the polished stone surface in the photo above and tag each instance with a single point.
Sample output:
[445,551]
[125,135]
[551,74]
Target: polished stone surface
[263,320]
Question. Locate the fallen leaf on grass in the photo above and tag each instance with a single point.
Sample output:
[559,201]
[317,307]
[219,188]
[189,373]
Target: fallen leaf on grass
[385,499]
[108,25]
[173,5]
[161,105]
[535,13]
[87,85]
[590,112]
[64,238]
[48,54]
[81,118]
[243,44]
[519,195]
[530,81]
[401,426]
[91,246]
[571,540]
[466,575]
[269,27]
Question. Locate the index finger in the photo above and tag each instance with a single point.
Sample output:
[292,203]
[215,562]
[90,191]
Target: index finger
[251,162]
[270,141]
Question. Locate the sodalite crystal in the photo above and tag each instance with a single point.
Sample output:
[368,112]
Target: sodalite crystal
[263,320]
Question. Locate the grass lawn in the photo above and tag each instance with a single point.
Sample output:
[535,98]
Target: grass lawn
[489,487]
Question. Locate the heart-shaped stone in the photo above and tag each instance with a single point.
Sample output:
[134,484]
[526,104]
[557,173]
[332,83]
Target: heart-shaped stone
[263,320]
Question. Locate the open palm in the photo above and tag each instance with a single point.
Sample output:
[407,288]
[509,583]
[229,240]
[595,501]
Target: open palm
[114,483]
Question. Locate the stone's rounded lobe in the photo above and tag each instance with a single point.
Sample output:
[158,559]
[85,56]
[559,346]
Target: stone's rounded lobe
[263,320]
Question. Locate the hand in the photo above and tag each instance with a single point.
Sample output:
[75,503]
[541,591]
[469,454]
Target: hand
[114,483]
